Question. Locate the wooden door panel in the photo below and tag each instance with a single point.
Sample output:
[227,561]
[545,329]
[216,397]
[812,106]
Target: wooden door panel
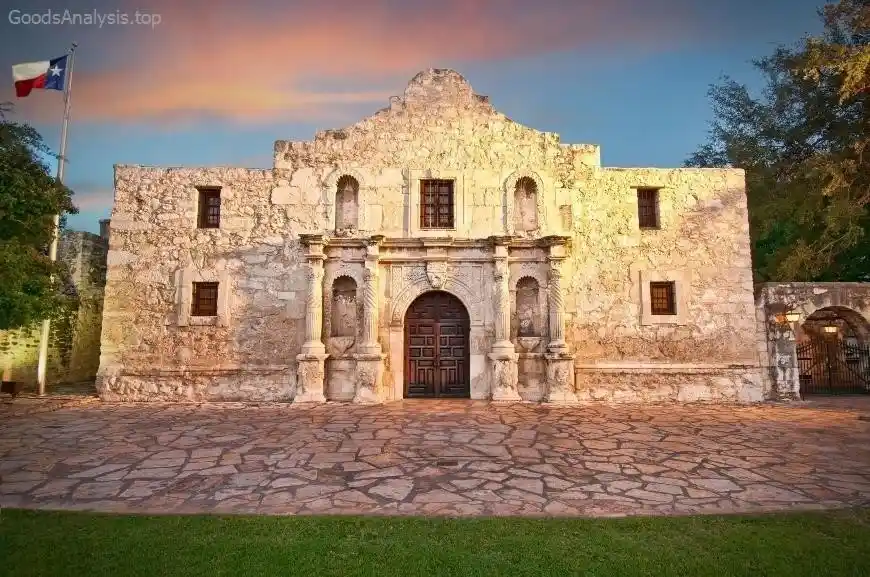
[436,348]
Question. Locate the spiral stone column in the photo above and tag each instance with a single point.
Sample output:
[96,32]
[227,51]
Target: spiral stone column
[370,361]
[310,374]
[560,362]
[503,356]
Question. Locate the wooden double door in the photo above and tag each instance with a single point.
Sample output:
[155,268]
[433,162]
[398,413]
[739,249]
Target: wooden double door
[437,347]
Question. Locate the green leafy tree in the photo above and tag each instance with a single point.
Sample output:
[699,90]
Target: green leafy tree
[32,287]
[804,145]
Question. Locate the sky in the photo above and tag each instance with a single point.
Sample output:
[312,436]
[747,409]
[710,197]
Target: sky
[216,82]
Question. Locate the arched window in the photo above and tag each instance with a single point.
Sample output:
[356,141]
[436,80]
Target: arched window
[528,308]
[525,205]
[343,319]
[346,203]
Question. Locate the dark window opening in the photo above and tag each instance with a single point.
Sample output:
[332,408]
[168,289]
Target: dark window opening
[209,208]
[436,204]
[648,207]
[205,299]
[662,298]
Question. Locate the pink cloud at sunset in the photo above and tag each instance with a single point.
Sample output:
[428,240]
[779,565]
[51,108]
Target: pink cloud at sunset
[258,61]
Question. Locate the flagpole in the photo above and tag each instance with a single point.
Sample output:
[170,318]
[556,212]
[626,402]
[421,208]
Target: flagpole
[52,251]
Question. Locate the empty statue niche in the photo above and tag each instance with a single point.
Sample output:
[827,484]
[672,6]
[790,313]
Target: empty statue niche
[526,205]
[344,313]
[346,204]
[526,323]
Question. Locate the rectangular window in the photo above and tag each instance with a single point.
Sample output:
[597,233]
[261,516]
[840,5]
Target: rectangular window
[663,298]
[204,299]
[209,210]
[436,204]
[648,207]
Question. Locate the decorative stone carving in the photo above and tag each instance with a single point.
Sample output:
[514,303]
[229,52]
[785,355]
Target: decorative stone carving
[438,273]
[310,377]
[415,282]
[560,378]
[504,377]
[369,377]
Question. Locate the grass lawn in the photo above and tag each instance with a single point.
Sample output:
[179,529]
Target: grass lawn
[73,544]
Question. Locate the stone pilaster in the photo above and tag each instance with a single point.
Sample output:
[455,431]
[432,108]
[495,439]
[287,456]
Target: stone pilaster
[503,355]
[557,307]
[786,371]
[310,374]
[560,361]
[370,361]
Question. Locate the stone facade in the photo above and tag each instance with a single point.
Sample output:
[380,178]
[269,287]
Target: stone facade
[785,314]
[319,259]
[74,349]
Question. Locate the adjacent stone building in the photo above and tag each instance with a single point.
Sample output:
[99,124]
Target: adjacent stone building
[74,345]
[436,248]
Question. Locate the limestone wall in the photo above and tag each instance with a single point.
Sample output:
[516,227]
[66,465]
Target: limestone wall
[774,302]
[74,348]
[365,180]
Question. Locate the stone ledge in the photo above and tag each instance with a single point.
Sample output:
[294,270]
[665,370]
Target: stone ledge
[640,367]
[193,371]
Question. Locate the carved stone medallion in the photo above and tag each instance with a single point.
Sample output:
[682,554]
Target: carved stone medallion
[438,273]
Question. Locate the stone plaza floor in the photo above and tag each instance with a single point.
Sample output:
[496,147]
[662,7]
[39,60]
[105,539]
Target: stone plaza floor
[461,458]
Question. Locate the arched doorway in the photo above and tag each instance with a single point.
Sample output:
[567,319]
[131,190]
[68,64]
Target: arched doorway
[437,347]
[833,354]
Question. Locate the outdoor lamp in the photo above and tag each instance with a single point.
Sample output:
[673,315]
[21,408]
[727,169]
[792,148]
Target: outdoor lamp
[831,329]
[792,316]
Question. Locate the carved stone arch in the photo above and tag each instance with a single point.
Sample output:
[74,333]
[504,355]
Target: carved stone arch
[856,321]
[410,292]
[330,188]
[532,270]
[510,185]
[331,273]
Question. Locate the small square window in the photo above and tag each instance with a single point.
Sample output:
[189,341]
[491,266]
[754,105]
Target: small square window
[662,297]
[436,204]
[209,209]
[648,207]
[205,296]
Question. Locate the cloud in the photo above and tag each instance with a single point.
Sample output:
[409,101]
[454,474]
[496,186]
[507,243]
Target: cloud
[268,60]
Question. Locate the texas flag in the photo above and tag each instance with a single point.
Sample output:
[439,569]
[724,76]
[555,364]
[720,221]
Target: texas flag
[48,75]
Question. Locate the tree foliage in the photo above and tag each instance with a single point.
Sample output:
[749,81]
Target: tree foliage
[31,285]
[804,145]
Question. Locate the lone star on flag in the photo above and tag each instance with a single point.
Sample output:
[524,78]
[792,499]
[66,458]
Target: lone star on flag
[56,70]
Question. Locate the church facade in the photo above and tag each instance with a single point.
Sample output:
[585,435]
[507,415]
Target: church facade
[434,249]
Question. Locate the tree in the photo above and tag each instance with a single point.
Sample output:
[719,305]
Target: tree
[31,285]
[802,143]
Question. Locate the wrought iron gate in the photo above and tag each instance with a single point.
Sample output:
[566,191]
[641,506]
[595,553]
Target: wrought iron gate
[831,366]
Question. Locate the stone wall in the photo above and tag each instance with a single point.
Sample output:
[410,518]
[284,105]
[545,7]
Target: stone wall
[74,348]
[782,309]
[364,180]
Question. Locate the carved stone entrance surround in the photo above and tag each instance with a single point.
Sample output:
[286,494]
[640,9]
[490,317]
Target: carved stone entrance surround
[477,272]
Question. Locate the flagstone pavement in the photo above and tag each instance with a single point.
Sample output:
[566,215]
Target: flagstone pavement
[461,458]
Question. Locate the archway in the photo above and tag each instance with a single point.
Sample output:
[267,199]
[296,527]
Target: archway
[832,352]
[437,355]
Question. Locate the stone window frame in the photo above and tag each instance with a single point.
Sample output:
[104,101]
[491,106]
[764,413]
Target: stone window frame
[682,285]
[330,193]
[510,185]
[203,193]
[184,297]
[415,178]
